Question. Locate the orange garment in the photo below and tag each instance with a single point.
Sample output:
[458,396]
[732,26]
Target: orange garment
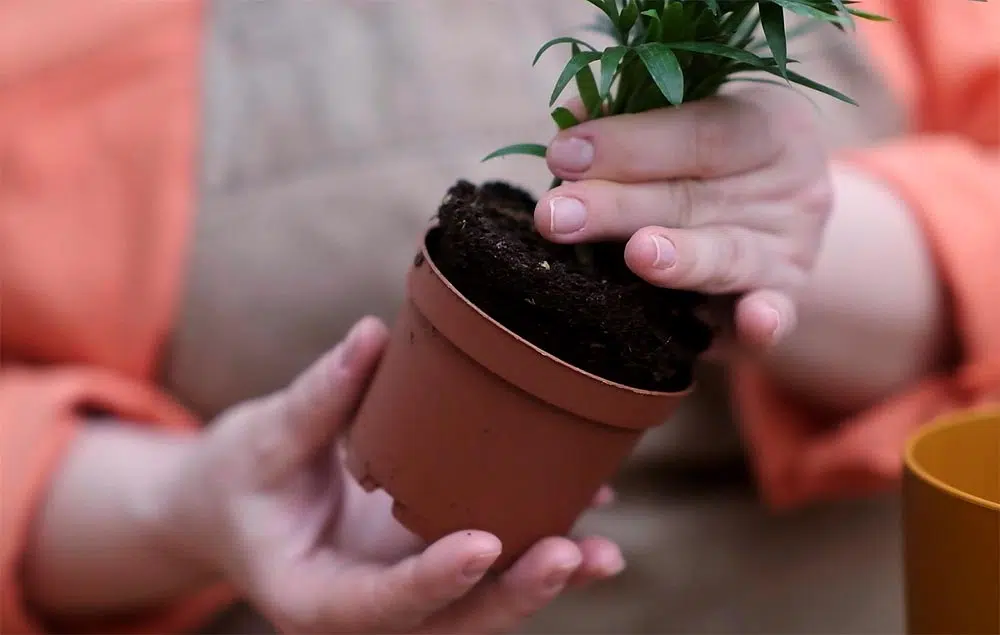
[98,134]
[942,58]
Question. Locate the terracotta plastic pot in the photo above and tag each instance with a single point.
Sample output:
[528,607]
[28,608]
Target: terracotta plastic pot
[951,513]
[468,426]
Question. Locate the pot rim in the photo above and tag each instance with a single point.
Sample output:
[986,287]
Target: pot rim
[516,339]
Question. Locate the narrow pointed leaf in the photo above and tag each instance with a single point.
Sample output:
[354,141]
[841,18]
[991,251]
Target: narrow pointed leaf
[531,149]
[721,50]
[628,17]
[665,70]
[844,13]
[608,8]
[772,19]
[564,118]
[610,60]
[559,40]
[809,11]
[587,87]
[573,66]
[864,15]
[655,28]
[808,83]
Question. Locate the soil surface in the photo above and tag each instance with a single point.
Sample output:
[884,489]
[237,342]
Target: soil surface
[603,319]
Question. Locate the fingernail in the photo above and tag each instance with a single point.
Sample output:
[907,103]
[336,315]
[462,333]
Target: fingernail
[572,154]
[773,321]
[664,252]
[478,566]
[615,566]
[558,579]
[567,215]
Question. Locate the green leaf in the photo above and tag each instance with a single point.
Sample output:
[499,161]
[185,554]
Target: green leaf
[628,17]
[610,60]
[531,149]
[808,10]
[665,70]
[772,19]
[713,5]
[731,24]
[675,25]
[573,66]
[864,15]
[655,28]
[843,12]
[808,83]
[587,87]
[559,40]
[720,50]
[797,31]
[564,118]
[608,7]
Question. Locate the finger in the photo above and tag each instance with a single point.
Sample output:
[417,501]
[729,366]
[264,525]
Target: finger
[602,559]
[527,587]
[604,496]
[404,596]
[713,260]
[293,424]
[706,138]
[575,105]
[763,318]
[595,210]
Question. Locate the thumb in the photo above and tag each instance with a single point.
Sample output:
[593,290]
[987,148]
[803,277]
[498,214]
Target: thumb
[399,598]
[292,425]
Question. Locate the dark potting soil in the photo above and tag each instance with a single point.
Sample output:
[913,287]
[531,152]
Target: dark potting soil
[604,320]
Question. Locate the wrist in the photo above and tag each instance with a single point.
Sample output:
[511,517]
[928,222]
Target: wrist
[101,539]
[167,509]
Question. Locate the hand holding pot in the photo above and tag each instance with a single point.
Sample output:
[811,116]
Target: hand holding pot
[726,195]
[264,501]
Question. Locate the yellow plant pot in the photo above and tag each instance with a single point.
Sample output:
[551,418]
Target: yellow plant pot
[951,524]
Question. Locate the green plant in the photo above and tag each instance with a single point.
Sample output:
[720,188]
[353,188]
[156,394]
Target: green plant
[667,52]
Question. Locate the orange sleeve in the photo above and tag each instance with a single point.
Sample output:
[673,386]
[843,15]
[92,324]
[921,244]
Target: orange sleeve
[98,107]
[40,412]
[944,64]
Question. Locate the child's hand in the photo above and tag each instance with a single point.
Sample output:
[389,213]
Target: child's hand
[728,195]
[264,502]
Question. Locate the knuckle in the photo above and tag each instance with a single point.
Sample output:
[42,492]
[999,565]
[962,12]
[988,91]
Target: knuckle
[731,264]
[620,205]
[685,197]
[803,253]
[816,198]
[710,133]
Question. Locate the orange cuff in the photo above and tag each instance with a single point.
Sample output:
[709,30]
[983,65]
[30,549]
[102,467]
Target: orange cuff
[40,411]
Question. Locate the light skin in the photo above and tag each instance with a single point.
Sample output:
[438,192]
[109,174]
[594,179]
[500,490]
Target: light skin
[836,292]
[135,519]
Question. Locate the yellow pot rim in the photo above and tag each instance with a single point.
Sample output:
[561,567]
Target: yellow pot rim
[950,421]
